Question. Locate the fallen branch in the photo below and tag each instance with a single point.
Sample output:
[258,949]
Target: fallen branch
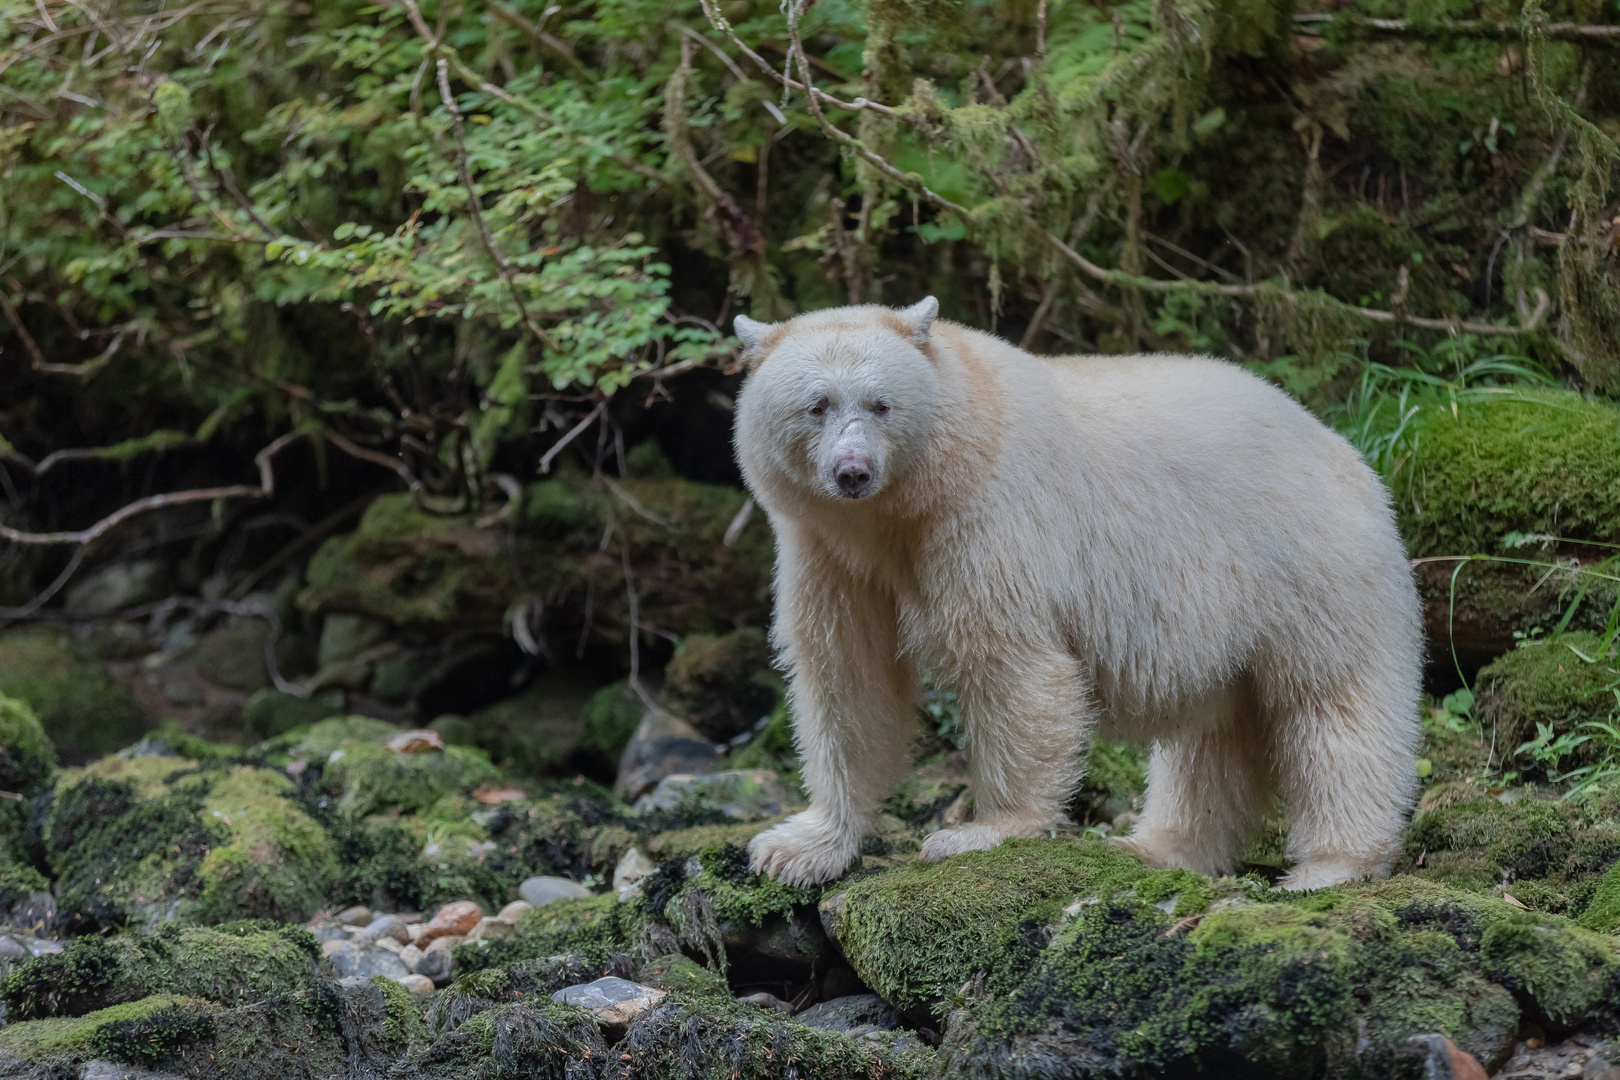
[1493,30]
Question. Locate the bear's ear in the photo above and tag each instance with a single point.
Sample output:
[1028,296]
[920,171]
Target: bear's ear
[750,331]
[919,317]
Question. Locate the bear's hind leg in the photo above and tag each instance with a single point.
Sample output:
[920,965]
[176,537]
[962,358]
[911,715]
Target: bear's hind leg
[1345,758]
[1206,789]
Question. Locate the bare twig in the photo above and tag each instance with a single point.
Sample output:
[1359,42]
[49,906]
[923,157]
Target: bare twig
[738,523]
[538,34]
[738,229]
[474,206]
[37,358]
[720,23]
[573,433]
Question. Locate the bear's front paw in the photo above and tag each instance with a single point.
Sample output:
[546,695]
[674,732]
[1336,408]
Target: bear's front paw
[979,836]
[803,850]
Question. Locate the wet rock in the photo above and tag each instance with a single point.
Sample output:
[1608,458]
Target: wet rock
[358,915]
[45,947]
[350,958]
[632,867]
[420,986]
[540,891]
[514,911]
[1442,1060]
[436,961]
[663,745]
[233,654]
[854,1015]
[452,920]
[383,927]
[613,1001]
[722,685]
[11,949]
[740,794]
[119,585]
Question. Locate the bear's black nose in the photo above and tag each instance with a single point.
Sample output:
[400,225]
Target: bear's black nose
[854,475]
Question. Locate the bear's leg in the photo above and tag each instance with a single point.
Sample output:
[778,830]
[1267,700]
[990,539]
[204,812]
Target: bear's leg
[1345,762]
[1027,723]
[1206,788]
[854,705]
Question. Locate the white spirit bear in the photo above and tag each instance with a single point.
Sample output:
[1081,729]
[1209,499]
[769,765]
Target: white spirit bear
[1162,548]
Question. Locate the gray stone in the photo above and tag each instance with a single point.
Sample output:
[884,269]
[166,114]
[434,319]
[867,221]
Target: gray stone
[384,926]
[855,1015]
[434,964]
[41,946]
[663,744]
[540,891]
[327,931]
[359,915]
[420,986]
[119,585]
[350,958]
[11,950]
[740,794]
[613,1001]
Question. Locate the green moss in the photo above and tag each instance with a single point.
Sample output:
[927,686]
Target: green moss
[161,837]
[1561,684]
[609,719]
[739,895]
[722,684]
[1603,912]
[596,927]
[919,932]
[676,972]
[415,862]
[27,760]
[268,713]
[368,778]
[403,1025]
[278,864]
[697,1037]
[1472,840]
[318,742]
[139,1031]
[683,843]
[1542,463]
[233,966]
[531,980]
[84,712]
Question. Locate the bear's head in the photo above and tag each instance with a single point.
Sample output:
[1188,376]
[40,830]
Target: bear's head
[838,403]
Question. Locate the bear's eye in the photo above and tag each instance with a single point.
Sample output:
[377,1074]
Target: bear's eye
[880,408]
[819,407]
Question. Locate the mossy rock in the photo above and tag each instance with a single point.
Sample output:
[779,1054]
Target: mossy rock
[138,1032]
[1562,684]
[415,569]
[234,965]
[536,1037]
[700,1037]
[1603,912]
[79,707]
[27,760]
[1550,849]
[597,928]
[1533,463]
[539,732]
[535,979]
[722,685]
[1069,957]
[678,972]
[609,719]
[268,713]
[368,778]
[155,838]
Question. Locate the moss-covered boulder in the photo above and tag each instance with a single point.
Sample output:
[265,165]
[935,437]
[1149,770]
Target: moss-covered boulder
[1546,851]
[27,760]
[313,1034]
[1553,685]
[1069,957]
[416,569]
[722,685]
[80,708]
[1537,464]
[157,838]
[233,965]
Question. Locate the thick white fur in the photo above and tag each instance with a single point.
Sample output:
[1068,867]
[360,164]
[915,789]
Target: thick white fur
[1163,548]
